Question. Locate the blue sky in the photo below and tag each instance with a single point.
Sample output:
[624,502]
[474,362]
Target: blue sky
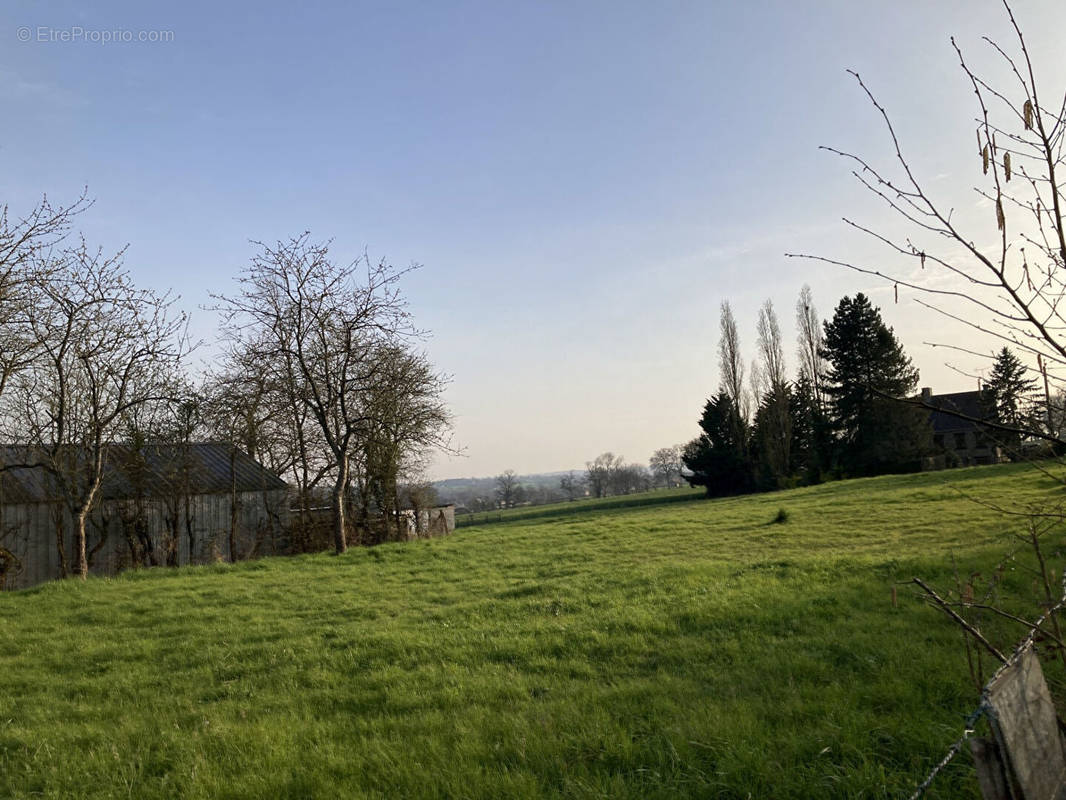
[583,183]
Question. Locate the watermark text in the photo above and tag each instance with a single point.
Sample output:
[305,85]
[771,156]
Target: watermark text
[79,34]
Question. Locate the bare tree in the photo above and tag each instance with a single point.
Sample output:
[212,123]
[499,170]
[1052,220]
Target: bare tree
[258,408]
[731,381]
[321,323]
[809,343]
[666,465]
[175,435]
[26,240]
[627,478]
[408,418]
[572,486]
[105,351]
[25,245]
[771,351]
[773,417]
[600,472]
[240,406]
[1004,282]
[730,361]
[252,405]
[507,487]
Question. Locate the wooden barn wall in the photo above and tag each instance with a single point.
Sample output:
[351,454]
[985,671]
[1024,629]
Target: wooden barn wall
[143,528]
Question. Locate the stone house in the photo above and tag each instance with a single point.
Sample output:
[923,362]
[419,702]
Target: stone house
[959,437]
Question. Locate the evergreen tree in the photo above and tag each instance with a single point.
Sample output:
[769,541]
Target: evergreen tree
[772,438]
[867,367]
[718,459]
[1009,398]
[812,437]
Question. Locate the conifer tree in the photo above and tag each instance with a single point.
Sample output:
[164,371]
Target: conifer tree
[867,369]
[1009,397]
[812,439]
[718,458]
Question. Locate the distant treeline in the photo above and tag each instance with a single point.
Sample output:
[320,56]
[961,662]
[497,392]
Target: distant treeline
[607,475]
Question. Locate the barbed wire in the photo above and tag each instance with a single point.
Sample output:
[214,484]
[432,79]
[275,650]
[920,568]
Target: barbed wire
[985,707]
[969,729]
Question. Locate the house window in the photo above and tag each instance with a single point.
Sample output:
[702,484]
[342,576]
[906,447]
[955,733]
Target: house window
[960,441]
[938,439]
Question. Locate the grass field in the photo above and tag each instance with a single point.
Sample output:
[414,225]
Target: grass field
[691,649]
[654,497]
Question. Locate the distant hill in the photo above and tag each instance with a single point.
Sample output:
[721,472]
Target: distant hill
[461,490]
[536,479]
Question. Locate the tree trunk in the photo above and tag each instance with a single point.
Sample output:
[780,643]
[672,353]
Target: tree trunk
[232,506]
[190,535]
[61,540]
[81,559]
[402,530]
[340,540]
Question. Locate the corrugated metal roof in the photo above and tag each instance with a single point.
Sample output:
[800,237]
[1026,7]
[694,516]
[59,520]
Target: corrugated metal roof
[151,471]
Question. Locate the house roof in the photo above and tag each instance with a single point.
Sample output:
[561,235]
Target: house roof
[151,471]
[969,404]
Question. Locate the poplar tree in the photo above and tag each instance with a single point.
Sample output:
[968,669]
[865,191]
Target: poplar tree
[719,458]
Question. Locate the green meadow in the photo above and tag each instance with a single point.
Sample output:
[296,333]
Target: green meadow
[692,648]
[582,506]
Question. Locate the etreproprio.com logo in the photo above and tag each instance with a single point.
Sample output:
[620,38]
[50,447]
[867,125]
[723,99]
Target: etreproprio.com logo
[78,34]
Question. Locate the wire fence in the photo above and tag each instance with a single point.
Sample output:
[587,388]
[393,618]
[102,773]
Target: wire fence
[984,708]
